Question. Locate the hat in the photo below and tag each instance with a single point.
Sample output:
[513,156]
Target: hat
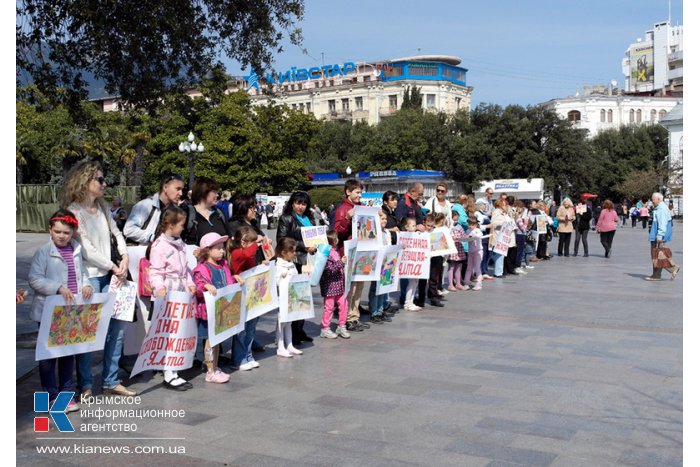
[211,239]
[481,201]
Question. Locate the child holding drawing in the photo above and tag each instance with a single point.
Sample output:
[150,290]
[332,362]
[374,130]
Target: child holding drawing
[58,268]
[408,224]
[284,270]
[211,273]
[377,302]
[474,237]
[456,260]
[435,296]
[333,291]
[169,272]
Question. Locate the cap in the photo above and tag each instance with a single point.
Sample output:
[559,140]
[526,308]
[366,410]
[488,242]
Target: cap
[211,239]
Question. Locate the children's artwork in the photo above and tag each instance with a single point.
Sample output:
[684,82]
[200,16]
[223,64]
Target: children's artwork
[366,226]
[259,290]
[296,300]
[314,236]
[171,340]
[389,271]
[134,333]
[350,248]
[581,209]
[503,238]
[226,314]
[124,299]
[541,224]
[367,264]
[414,262]
[73,328]
[441,242]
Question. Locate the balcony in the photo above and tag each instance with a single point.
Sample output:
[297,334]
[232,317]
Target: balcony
[341,115]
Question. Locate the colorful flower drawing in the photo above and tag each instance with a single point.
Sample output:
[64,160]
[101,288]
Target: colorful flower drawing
[365,263]
[438,242]
[388,271]
[366,228]
[74,324]
[300,298]
[227,312]
[258,290]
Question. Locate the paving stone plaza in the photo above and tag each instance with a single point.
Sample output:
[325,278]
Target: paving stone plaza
[579,363]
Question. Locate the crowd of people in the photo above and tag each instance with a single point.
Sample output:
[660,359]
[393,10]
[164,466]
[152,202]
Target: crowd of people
[87,249]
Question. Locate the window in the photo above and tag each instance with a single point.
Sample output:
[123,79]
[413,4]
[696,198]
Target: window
[459,75]
[308,107]
[631,115]
[422,69]
[602,115]
[358,103]
[430,101]
[346,105]
[574,116]
[317,84]
[662,114]
[639,115]
[610,115]
[367,78]
[331,106]
[458,101]
[653,115]
[393,99]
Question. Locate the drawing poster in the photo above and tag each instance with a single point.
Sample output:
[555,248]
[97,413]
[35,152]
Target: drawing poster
[503,238]
[226,314]
[366,227]
[69,329]
[541,224]
[389,271]
[296,300]
[367,264]
[350,247]
[171,340]
[135,333]
[260,290]
[314,236]
[441,242]
[124,299]
[414,262]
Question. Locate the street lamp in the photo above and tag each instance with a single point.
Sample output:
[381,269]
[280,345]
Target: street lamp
[190,147]
[348,171]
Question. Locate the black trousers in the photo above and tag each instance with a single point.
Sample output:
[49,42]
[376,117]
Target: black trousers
[581,236]
[437,267]
[606,239]
[509,260]
[564,241]
[542,246]
[420,295]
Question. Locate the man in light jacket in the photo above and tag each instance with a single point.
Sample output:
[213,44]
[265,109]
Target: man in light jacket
[660,233]
[145,215]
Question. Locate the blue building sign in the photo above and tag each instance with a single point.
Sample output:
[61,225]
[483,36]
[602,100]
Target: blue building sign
[302,74]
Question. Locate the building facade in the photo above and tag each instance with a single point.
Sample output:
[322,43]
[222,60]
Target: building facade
[654,65]
[366,92]
[596,111]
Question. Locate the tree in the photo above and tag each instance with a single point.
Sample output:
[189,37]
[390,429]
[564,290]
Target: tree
[144,50]
[640,184]
[412,98]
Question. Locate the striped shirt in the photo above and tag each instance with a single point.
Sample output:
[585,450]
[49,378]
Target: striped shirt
[67,254]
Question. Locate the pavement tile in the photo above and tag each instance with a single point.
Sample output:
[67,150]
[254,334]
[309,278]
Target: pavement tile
[491,451]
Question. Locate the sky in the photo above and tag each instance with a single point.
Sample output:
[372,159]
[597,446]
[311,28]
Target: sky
[516,51]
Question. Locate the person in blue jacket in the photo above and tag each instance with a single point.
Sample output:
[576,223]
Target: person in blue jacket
[660,233]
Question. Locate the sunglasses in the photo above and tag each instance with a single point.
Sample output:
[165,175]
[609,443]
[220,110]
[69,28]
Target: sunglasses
[100,180]
[441,191]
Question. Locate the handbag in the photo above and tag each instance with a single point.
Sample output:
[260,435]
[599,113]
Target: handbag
[661,258]
[144,286]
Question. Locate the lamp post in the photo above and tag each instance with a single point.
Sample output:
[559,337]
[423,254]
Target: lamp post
[190,147]
[348,171]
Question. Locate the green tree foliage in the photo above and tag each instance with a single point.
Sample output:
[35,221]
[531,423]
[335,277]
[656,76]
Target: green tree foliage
[325,196]
[412,98]
[640,184]
[143,51]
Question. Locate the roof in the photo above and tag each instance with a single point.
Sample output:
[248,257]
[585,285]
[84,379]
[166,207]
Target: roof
[449,59]
[674,117]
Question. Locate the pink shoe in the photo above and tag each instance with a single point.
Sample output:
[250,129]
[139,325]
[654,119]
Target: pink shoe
[217,377]
[452,289]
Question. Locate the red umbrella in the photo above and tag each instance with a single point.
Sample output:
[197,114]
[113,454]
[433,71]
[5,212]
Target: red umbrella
[588,195]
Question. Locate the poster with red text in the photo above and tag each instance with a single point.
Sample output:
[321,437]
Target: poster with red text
[171,339]
[414,262]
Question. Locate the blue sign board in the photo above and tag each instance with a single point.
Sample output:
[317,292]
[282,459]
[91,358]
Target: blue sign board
[302,74]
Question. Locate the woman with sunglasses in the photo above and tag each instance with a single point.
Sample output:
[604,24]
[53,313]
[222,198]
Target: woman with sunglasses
[439,203]
[84,190]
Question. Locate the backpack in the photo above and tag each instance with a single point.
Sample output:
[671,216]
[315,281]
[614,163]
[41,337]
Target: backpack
[144,285]
[191,226]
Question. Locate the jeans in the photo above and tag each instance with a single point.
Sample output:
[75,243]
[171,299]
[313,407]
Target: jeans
[497,264]
[83,361]
[47,375]
[376,302]
[528,253]
[114,342]
[581,235]
[243,344]
[520,252]
[487,255]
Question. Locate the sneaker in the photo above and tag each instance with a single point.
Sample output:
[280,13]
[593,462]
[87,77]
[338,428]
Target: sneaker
[385,318]
[354,326]
[652,278]
[412,308]
[72,406]
[364,325]
[376,319]
[461,287]
[218,377]
[443,292]
[328,334]
[675,272]
[86,393]
[247,366]
[254,363]
[520,271]
[284,353]
[342,332]
[535,260]
[477,288]
[436,303]
[486,277]
[529,267]
[119,390]
[294,351]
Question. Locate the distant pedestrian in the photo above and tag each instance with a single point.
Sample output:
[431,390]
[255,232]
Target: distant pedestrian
[660,234]
[606,226]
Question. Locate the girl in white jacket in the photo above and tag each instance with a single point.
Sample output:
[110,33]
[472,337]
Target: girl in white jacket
[58,268]
[284,270]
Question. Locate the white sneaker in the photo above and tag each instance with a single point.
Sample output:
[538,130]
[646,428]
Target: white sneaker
[328,334]
[442,292]
[284,353]
[247,366]
[255,364]
[342,332]
[293,350]
[529,267]
[520,271]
